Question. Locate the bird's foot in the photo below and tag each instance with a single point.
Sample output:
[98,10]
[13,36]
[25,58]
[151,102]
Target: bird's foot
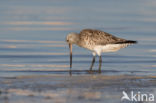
[70,72]
[90,71]
[99,71]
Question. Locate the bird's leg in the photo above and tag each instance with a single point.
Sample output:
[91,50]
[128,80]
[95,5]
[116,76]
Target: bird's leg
[93,61]
[100,63]
[70,72]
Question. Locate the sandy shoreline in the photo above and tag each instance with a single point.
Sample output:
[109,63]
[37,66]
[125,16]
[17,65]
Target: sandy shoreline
[69,89]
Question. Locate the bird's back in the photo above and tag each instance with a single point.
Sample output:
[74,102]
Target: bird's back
[100,37]
[89,38]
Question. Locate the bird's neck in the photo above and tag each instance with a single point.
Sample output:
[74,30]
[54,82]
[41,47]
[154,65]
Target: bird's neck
[76,39]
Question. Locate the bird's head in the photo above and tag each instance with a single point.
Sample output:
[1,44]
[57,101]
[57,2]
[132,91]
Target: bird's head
[72,38]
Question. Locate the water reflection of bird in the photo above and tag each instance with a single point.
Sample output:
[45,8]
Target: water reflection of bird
[96,41]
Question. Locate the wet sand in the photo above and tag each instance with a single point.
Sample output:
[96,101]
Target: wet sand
[88,88]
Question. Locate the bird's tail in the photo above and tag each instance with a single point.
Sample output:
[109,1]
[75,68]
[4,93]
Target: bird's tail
[127,42]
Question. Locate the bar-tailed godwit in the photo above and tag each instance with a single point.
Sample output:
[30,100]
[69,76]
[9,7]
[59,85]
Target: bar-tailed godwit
[96,41]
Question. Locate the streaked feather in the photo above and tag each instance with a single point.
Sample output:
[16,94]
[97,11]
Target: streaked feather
[100,37]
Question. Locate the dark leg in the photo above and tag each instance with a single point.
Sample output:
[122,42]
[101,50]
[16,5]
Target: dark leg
[93,61]
[70,72]
[100,63]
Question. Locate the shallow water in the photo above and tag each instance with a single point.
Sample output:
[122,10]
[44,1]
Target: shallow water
[32,36]
[74,89]
[34,54]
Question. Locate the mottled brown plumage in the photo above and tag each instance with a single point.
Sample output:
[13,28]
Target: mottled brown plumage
[97,41]
[100,37]
[88,38]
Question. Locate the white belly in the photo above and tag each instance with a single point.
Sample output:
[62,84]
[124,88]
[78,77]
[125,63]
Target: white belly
[109,48]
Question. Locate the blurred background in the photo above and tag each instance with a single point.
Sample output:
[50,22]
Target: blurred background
[32,35]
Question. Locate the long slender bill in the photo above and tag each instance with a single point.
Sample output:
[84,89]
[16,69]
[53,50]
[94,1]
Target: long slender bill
[70,47]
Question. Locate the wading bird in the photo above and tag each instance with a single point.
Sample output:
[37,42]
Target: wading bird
[96,41]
